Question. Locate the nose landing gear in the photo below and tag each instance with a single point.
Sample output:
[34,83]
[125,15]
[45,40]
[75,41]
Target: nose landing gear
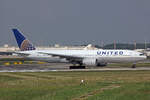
[134,65]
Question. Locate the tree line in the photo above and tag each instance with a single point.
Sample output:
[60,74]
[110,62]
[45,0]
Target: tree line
[125,46]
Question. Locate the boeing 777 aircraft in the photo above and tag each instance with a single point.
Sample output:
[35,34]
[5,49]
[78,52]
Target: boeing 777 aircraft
[79,58]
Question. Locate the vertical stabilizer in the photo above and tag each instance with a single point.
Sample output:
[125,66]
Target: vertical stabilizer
[23,43]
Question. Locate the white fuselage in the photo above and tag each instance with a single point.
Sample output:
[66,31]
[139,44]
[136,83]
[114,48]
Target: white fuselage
[108,56]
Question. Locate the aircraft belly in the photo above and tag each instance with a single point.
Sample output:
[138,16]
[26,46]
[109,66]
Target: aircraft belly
[121,59]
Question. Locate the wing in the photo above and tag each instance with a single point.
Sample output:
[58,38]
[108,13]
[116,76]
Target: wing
[21,54]
[70,58]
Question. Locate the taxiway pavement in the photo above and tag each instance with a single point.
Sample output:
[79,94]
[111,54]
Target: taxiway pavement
[61,67]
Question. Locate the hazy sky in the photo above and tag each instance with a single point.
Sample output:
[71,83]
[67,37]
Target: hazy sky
[68,22]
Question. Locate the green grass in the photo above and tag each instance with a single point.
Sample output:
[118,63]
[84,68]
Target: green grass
[132,91]
[6,78]
[106,85]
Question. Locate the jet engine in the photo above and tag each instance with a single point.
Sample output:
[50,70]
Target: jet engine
[90,62]
[93,62]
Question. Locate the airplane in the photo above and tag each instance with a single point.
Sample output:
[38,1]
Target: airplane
[79,59]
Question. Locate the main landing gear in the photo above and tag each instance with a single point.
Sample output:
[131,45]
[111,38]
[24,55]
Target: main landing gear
[77,67]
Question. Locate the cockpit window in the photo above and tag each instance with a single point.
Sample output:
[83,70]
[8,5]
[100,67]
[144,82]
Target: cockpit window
[141,54]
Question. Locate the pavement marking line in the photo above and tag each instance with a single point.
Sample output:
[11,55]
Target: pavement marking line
[83,97]
[75,70]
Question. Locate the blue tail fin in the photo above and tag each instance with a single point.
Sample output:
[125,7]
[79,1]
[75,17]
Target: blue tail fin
[23,43]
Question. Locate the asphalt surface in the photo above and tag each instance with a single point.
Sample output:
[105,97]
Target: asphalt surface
[61,67]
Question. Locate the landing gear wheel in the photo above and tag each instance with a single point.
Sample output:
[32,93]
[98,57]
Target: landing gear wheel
[134,66]
[77,67]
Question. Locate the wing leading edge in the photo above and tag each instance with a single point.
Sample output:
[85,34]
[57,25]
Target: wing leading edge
[67,57]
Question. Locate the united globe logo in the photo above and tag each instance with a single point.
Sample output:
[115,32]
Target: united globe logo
[26,45]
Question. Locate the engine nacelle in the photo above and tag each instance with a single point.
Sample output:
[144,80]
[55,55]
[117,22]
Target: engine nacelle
[93,62]
[90,62]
